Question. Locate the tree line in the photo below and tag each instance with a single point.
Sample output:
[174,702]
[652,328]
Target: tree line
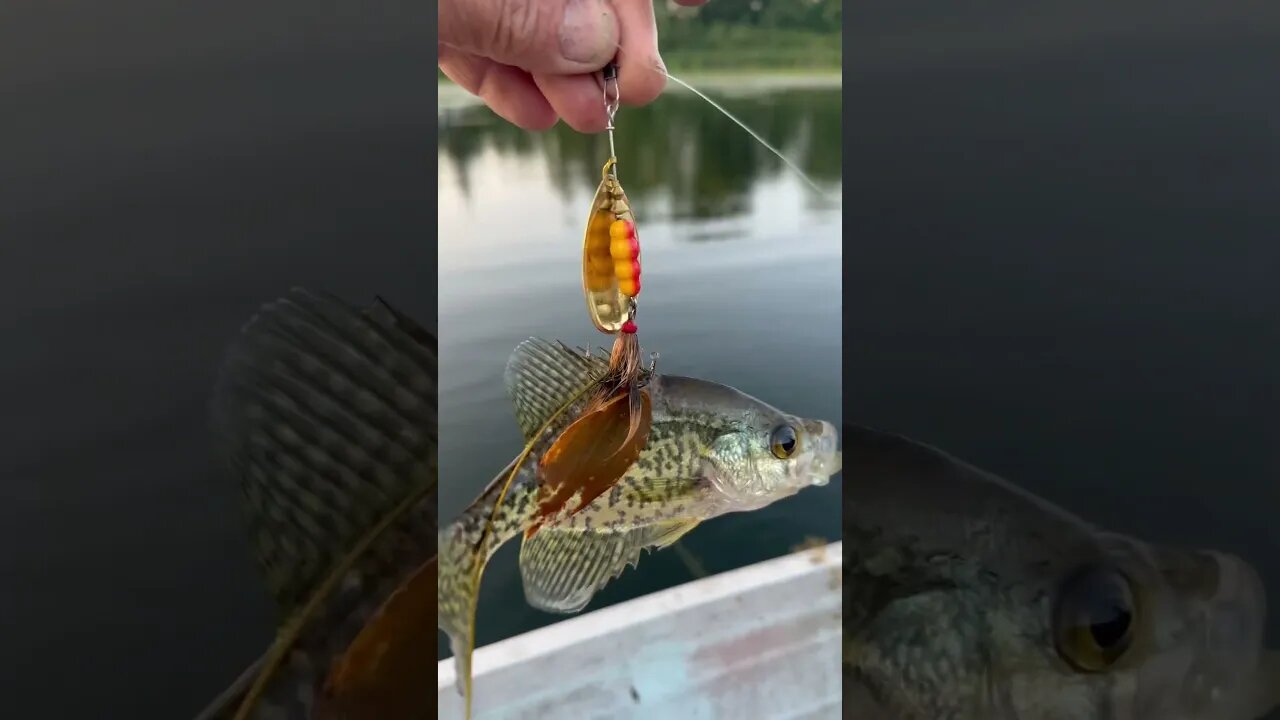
[750,33]
[815,16]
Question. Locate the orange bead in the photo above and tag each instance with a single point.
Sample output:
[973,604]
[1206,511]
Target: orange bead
[629,287]
[620,229]
[626,269]
[624,249]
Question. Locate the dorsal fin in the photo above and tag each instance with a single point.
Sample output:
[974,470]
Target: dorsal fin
[327,416]
[542,376]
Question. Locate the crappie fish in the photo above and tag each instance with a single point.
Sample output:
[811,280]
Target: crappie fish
[966,597]
[326,417]
[711,450]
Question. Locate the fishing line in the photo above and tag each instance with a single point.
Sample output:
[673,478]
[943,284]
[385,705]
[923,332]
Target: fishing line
[691,562]
[486,530]
[658,68]
[816,188]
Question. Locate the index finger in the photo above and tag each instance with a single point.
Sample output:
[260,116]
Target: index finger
[641,74]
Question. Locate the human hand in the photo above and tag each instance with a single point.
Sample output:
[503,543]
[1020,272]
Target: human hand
[534,62]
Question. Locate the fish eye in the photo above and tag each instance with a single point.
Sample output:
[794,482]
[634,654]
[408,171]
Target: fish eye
[783,442]
[1094,618]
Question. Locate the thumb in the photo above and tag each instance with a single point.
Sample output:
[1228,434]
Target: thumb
[562,37]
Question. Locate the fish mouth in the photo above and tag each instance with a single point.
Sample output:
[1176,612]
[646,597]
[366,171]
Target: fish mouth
[825,460]
[1237,607]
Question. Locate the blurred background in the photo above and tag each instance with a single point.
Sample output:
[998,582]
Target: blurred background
[165,168]
[741,266]
[1062,254]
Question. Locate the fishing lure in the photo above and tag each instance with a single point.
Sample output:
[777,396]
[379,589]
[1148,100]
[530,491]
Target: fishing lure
[611,247]
[593,452]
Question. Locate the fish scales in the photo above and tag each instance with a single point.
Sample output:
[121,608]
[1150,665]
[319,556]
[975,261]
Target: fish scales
[710,450]
[672,451]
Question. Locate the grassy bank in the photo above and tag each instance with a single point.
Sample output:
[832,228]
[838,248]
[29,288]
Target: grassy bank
[749,49]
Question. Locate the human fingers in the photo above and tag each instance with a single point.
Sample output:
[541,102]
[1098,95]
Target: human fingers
[640,69]
[577,99]
[510,92]
[564,37]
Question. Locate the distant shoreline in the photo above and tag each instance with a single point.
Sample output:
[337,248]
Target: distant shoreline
[718,82]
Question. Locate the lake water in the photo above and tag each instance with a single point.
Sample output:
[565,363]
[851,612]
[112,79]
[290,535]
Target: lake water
[742,285]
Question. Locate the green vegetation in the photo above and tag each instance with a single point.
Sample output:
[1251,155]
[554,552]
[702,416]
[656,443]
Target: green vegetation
[747,49]
[749,36]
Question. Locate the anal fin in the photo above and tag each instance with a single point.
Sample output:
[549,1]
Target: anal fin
[562,569]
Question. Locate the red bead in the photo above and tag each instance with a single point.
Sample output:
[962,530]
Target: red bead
[629,327]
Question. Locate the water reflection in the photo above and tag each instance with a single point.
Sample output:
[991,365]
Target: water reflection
[677,153]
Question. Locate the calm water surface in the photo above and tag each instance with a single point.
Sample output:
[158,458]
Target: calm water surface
[742,286]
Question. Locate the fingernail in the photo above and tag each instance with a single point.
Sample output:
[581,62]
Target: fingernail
[588,32]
